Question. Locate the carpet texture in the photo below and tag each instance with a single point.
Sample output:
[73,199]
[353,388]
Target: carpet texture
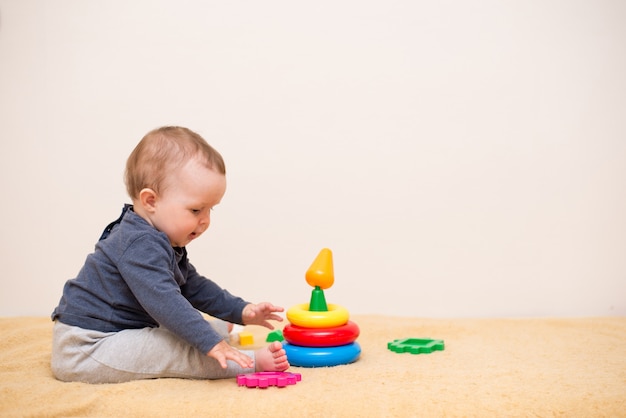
[489,368]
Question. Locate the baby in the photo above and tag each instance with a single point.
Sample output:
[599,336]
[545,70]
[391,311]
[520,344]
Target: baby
[133,311]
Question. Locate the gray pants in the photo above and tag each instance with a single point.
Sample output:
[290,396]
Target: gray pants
[111,357]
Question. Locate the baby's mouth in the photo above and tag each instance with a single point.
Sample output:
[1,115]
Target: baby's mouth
[195,234]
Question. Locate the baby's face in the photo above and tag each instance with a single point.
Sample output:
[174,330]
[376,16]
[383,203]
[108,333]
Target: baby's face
[183,209]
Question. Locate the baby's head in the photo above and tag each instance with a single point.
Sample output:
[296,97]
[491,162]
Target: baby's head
[162,152]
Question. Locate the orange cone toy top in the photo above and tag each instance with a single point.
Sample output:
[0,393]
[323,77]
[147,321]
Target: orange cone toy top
[321,272]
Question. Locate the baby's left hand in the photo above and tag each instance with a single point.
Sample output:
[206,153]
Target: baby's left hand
[260,314]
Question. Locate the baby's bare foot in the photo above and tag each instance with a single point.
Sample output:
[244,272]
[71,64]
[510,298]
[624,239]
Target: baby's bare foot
[271,358]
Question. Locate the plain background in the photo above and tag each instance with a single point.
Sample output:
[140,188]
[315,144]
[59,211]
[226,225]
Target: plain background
[460,158]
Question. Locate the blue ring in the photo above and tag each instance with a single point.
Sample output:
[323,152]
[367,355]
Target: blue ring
[322,356]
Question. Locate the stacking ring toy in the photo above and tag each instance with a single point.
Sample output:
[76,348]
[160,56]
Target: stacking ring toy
[335,316]
[322,356]
[321,337]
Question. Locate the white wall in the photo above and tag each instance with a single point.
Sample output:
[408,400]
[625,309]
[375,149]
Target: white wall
[460,158]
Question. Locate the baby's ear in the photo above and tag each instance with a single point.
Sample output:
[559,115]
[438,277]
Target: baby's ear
[147,199]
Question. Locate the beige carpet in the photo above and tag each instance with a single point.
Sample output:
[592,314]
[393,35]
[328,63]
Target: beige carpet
[490,367]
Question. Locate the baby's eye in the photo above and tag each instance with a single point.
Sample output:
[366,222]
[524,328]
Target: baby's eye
[195,211]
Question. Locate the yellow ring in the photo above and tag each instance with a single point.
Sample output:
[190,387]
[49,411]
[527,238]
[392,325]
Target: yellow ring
[335,316]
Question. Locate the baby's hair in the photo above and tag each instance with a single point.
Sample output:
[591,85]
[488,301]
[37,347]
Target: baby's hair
[162,151]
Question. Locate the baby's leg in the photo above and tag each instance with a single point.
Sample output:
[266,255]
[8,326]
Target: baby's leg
[97,357]
[271,358]
[222,327]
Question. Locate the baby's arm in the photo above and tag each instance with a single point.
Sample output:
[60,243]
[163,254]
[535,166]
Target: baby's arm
[260,314]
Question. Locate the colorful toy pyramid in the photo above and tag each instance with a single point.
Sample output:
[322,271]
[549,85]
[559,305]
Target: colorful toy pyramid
[320,334]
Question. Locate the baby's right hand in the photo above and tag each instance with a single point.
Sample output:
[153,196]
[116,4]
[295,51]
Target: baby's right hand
[222,352]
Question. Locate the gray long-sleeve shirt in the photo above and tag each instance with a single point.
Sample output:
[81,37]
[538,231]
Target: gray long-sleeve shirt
[135,279]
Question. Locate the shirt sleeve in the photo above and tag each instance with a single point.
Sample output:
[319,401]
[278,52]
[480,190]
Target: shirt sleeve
[208,297]
[148,267]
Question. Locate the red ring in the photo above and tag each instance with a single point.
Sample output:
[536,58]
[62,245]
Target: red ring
[321,337]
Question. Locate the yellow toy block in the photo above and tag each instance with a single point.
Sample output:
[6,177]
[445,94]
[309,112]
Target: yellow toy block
[246,338]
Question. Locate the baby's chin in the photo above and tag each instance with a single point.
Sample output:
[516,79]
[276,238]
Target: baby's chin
[180,243]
